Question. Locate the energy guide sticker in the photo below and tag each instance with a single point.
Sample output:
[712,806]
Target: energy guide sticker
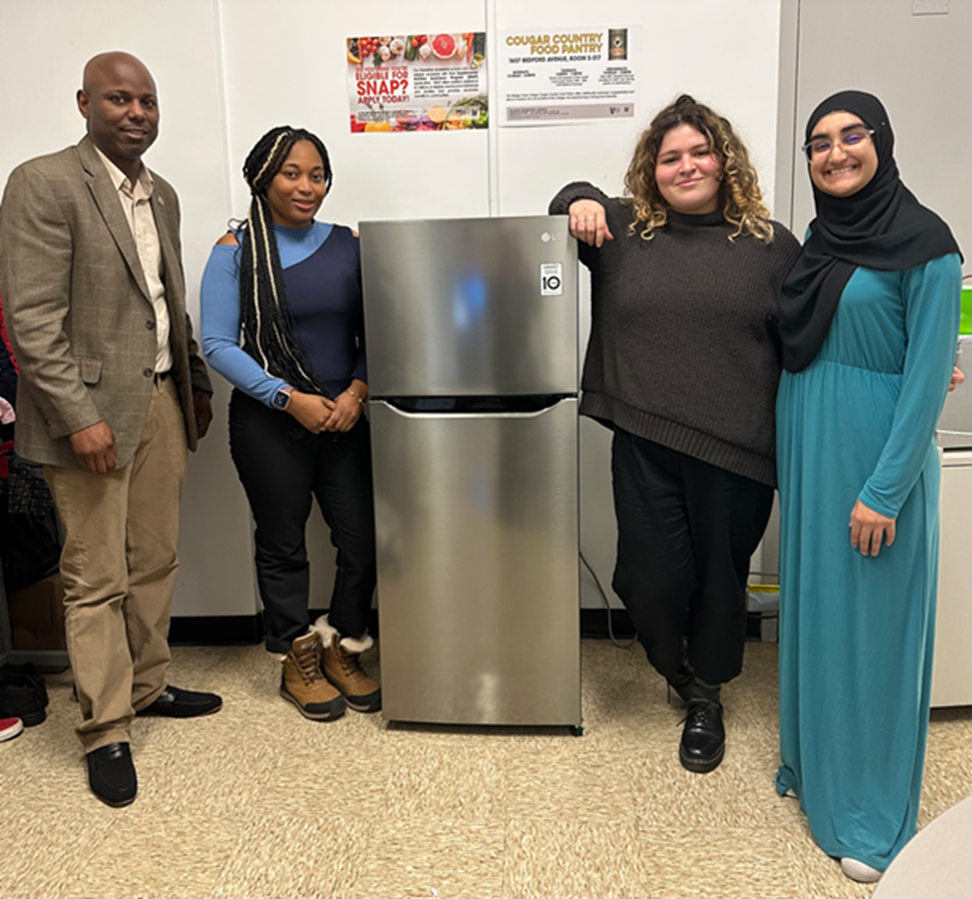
[551,279]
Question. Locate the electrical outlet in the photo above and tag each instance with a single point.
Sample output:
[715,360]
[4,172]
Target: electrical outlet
[929,7]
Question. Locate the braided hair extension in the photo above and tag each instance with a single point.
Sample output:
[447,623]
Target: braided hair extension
[268,328]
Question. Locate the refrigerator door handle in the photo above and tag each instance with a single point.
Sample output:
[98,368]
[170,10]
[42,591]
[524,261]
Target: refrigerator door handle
[405,413]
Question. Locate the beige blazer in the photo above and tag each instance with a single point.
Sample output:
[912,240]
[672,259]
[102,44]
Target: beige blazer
[78,309]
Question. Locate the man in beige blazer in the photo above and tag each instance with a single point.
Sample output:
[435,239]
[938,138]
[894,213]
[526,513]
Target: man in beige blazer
[112,393]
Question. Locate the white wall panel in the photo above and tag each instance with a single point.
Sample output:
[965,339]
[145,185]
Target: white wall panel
[286,64]
[921,69]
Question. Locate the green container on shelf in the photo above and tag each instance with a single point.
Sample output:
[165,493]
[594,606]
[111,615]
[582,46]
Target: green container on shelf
[965,320]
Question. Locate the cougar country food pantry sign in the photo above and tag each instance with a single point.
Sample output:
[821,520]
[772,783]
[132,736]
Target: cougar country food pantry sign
[567,75]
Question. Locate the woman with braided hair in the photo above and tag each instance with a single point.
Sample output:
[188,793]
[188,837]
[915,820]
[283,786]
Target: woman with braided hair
[282,321]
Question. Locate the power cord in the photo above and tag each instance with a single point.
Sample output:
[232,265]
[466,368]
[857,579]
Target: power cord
[607,607]
[629,644]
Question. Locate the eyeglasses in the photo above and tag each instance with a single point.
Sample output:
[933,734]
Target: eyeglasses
[822,145]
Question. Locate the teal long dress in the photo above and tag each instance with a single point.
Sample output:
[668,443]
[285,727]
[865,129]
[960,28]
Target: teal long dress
[857,633]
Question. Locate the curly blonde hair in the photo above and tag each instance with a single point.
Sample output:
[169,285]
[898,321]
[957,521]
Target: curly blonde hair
[739,193]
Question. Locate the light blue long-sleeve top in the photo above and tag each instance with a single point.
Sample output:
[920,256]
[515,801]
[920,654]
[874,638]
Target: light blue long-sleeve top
[321,266]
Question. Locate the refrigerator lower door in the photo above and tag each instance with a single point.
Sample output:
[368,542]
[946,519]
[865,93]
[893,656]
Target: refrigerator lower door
[477,530]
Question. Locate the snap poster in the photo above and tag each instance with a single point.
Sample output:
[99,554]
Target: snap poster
[562,76]
[417,82]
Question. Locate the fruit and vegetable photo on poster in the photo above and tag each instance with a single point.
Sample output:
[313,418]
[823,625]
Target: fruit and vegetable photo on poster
[418,82]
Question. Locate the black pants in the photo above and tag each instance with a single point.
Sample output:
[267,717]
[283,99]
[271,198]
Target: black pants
[282,466]
[686,531]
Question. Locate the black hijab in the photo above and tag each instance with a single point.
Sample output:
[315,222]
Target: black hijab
[882,227]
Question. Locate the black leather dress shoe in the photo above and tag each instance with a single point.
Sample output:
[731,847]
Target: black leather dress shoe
[111,774]
[23,694]
[175,703]
[704,737]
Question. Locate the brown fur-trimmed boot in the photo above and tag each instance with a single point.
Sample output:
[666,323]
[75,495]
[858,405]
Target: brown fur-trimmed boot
[341,663]
[303,683]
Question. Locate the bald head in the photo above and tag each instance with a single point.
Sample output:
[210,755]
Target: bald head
[118,99]
[108,66]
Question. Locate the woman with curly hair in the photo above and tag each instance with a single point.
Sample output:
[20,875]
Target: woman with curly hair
[683,365]
[282,321]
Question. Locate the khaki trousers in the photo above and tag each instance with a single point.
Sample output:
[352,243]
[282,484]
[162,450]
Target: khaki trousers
[119,567]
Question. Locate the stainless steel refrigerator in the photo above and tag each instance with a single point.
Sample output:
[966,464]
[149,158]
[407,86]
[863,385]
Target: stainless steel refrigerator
[471,329]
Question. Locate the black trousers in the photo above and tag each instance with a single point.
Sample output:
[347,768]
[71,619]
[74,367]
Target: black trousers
[283,466]
[686,531]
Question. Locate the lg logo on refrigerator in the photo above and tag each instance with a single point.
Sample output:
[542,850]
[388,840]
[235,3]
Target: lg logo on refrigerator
[551,279]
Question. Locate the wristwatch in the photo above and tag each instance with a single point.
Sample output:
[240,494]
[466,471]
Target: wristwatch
[281,398]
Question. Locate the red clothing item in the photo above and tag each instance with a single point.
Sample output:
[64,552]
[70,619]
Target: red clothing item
[6,339]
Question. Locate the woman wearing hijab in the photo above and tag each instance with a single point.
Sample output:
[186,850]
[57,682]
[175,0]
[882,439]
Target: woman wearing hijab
[869,320]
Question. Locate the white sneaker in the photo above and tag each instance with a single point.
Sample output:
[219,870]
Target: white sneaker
[858,871]
[790,794]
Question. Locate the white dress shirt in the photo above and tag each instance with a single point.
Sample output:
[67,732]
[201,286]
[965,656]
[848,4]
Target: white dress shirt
[138,212]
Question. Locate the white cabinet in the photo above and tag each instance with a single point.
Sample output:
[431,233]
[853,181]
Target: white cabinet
[952,674]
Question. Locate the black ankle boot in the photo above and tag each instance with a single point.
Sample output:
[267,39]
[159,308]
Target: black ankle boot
[704,737]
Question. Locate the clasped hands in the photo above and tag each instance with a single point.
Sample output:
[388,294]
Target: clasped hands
[318,413]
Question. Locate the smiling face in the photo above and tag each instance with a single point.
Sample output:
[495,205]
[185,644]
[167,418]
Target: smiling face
[298,189]
[120,103]
[687,171]
[843,170]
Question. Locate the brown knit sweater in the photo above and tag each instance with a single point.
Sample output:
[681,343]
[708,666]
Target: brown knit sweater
[684,348]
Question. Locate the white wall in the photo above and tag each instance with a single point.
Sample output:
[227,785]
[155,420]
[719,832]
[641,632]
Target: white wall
[921,69]
[228,70]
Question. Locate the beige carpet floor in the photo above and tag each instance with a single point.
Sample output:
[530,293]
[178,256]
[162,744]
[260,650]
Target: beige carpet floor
[257,801]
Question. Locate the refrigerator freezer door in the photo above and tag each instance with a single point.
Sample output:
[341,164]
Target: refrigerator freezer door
[465,307]
[477,526]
